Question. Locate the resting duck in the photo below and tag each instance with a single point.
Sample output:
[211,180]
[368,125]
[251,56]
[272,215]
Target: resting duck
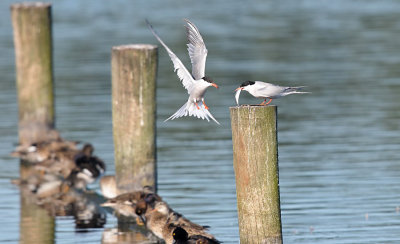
[77,167]
[108,186]
[133,204]
[89,167]
[181,236]
[55,177]
[40,151]
[156,221]
[162,221]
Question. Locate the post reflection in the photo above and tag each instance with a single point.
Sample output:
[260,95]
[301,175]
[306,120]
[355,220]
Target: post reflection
[36,224]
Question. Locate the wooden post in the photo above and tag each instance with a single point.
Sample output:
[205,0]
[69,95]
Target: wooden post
[34,66]
[255,160]
[34,76]
[134,70]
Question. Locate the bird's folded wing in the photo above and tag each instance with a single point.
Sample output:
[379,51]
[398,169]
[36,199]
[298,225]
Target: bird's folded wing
[183,73]
[197,50]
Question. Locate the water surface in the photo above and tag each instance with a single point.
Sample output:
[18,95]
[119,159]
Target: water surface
[338,147]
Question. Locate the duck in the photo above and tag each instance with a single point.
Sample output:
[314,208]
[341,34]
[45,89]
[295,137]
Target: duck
[156,221]
[133,204]
[40,151]
[77,167]
[179,220]
[162,220]
[181,236]
[89,167]
[33,181]
[125,204]
[108,186]
[54,177]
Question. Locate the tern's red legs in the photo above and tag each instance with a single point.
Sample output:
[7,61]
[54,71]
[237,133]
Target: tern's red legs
[205,106]
[264,104]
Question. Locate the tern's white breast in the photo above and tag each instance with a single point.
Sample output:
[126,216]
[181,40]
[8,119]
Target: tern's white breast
[199,89]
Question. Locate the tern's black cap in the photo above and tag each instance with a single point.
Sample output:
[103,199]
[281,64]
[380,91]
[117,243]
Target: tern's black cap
[208,79]
[246,83]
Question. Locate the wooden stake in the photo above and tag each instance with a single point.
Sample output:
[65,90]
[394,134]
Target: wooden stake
[255,160]
[34,66]
[134,70]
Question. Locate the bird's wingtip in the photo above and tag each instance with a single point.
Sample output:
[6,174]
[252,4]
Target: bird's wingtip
[187,20]
[148,23]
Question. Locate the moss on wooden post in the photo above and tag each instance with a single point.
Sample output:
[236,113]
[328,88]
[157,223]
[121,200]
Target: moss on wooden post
[134,70]
[34,66]
[255,160]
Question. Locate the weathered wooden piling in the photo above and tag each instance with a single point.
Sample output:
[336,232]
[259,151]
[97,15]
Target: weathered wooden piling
[134,70]
[34,77]
[34,66]
[255,160]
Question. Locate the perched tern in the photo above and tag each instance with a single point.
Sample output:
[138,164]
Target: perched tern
[196,83]
[266,90]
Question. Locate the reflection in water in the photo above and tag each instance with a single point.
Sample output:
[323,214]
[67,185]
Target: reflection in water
[84,207]
[36,224]
[123,234]
[38,213]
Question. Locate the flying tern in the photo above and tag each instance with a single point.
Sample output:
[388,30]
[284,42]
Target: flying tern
[266,90]
[196,83]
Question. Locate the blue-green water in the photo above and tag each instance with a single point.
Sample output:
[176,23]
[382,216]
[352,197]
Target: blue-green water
[339,147]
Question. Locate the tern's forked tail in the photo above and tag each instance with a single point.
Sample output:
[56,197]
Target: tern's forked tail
[294,90]
[190,109]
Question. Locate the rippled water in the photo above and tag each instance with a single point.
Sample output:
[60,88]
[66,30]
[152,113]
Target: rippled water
[338,147]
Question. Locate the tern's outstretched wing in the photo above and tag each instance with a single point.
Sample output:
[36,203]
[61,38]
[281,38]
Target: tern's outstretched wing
[183,73]
[197,50]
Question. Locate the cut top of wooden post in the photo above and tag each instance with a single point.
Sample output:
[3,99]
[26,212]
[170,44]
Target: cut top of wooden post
[30,5]
[135,46]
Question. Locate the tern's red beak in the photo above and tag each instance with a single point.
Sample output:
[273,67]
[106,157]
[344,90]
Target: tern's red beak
[239,88]
[214,85]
